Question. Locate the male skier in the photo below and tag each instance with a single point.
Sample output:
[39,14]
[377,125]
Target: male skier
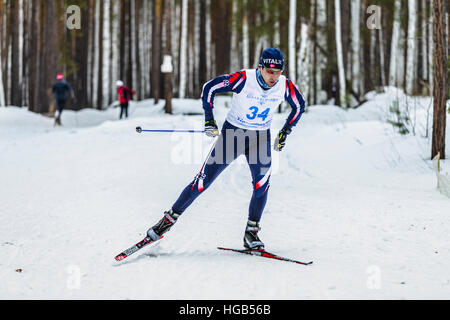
[257,93]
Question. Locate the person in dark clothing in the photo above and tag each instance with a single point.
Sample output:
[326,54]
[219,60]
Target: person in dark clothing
[60,90]
[125,95]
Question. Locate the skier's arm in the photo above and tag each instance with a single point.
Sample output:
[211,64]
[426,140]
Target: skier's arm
[295,99]
[233,82]
[130,93]
[297,102]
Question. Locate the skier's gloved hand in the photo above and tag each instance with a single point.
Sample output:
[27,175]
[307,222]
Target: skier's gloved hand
[211,129]
[280,140]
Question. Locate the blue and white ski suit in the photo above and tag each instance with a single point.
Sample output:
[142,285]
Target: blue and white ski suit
[246,131]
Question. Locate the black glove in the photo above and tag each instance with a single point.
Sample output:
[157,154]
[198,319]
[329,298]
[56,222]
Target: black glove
[211,129]
[280,140]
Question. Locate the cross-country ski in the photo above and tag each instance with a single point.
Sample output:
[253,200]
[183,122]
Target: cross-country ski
[126,253]
[264,254]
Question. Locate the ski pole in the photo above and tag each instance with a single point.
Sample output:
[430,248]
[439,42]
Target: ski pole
[139,130]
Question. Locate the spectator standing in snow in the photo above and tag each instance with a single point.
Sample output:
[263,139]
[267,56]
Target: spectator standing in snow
[125,95]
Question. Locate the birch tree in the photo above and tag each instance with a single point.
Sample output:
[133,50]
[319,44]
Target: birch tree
[234,48]
[303,60]
[382,57]
[430,45]
[115,70]
[411,60]
[356,46]
[424,40]
[393,65]
[183,47]
[292,36]
[197,84]
[245,37]
[202,72]
[2,90]
[133,46]
[148,46]
[209,64]
[341,71]
[156,51]
[320,43]
[167,57]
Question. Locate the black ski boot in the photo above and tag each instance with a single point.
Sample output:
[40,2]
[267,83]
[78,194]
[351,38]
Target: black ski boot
[164,225]
[251,240]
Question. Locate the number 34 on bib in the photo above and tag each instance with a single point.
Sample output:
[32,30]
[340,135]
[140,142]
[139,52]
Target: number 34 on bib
[254,113]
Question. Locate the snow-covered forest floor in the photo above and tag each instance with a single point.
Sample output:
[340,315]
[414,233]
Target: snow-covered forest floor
[348,192]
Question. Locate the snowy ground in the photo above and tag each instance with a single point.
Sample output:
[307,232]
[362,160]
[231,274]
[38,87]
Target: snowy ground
[347,192]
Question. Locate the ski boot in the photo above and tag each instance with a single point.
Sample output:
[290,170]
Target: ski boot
[251,240]
[164,225]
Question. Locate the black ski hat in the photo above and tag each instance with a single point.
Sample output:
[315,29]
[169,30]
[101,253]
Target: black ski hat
[272,58]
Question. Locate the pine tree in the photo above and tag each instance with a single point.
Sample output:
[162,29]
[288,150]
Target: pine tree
[440,79]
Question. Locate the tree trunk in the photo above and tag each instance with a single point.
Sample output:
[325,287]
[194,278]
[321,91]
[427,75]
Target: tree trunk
[99,88]
[183,47]
[411,61]
[15,86]
[245,37]
[49,57]
[2,89]
[320,45]
[292,36]
[220,15]
[203,56]
[356,47]
[393,65]
[303,61]
[6,37]
[168,53]
[92,52]
[34,60]
[440,80]
[430,44]
[341,71]
[313,52]
[137,43]
[106,77]
[382,57]
[115,43]
[156,51]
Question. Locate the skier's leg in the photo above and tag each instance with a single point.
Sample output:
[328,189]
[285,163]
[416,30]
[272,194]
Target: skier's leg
[214,164]
[220,156]
[259,161]
[121,111]
[60,105]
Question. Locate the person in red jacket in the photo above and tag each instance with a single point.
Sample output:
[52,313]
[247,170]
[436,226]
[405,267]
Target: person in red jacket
[125,95]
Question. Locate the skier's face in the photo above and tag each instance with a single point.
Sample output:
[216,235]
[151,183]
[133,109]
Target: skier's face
[270,76]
